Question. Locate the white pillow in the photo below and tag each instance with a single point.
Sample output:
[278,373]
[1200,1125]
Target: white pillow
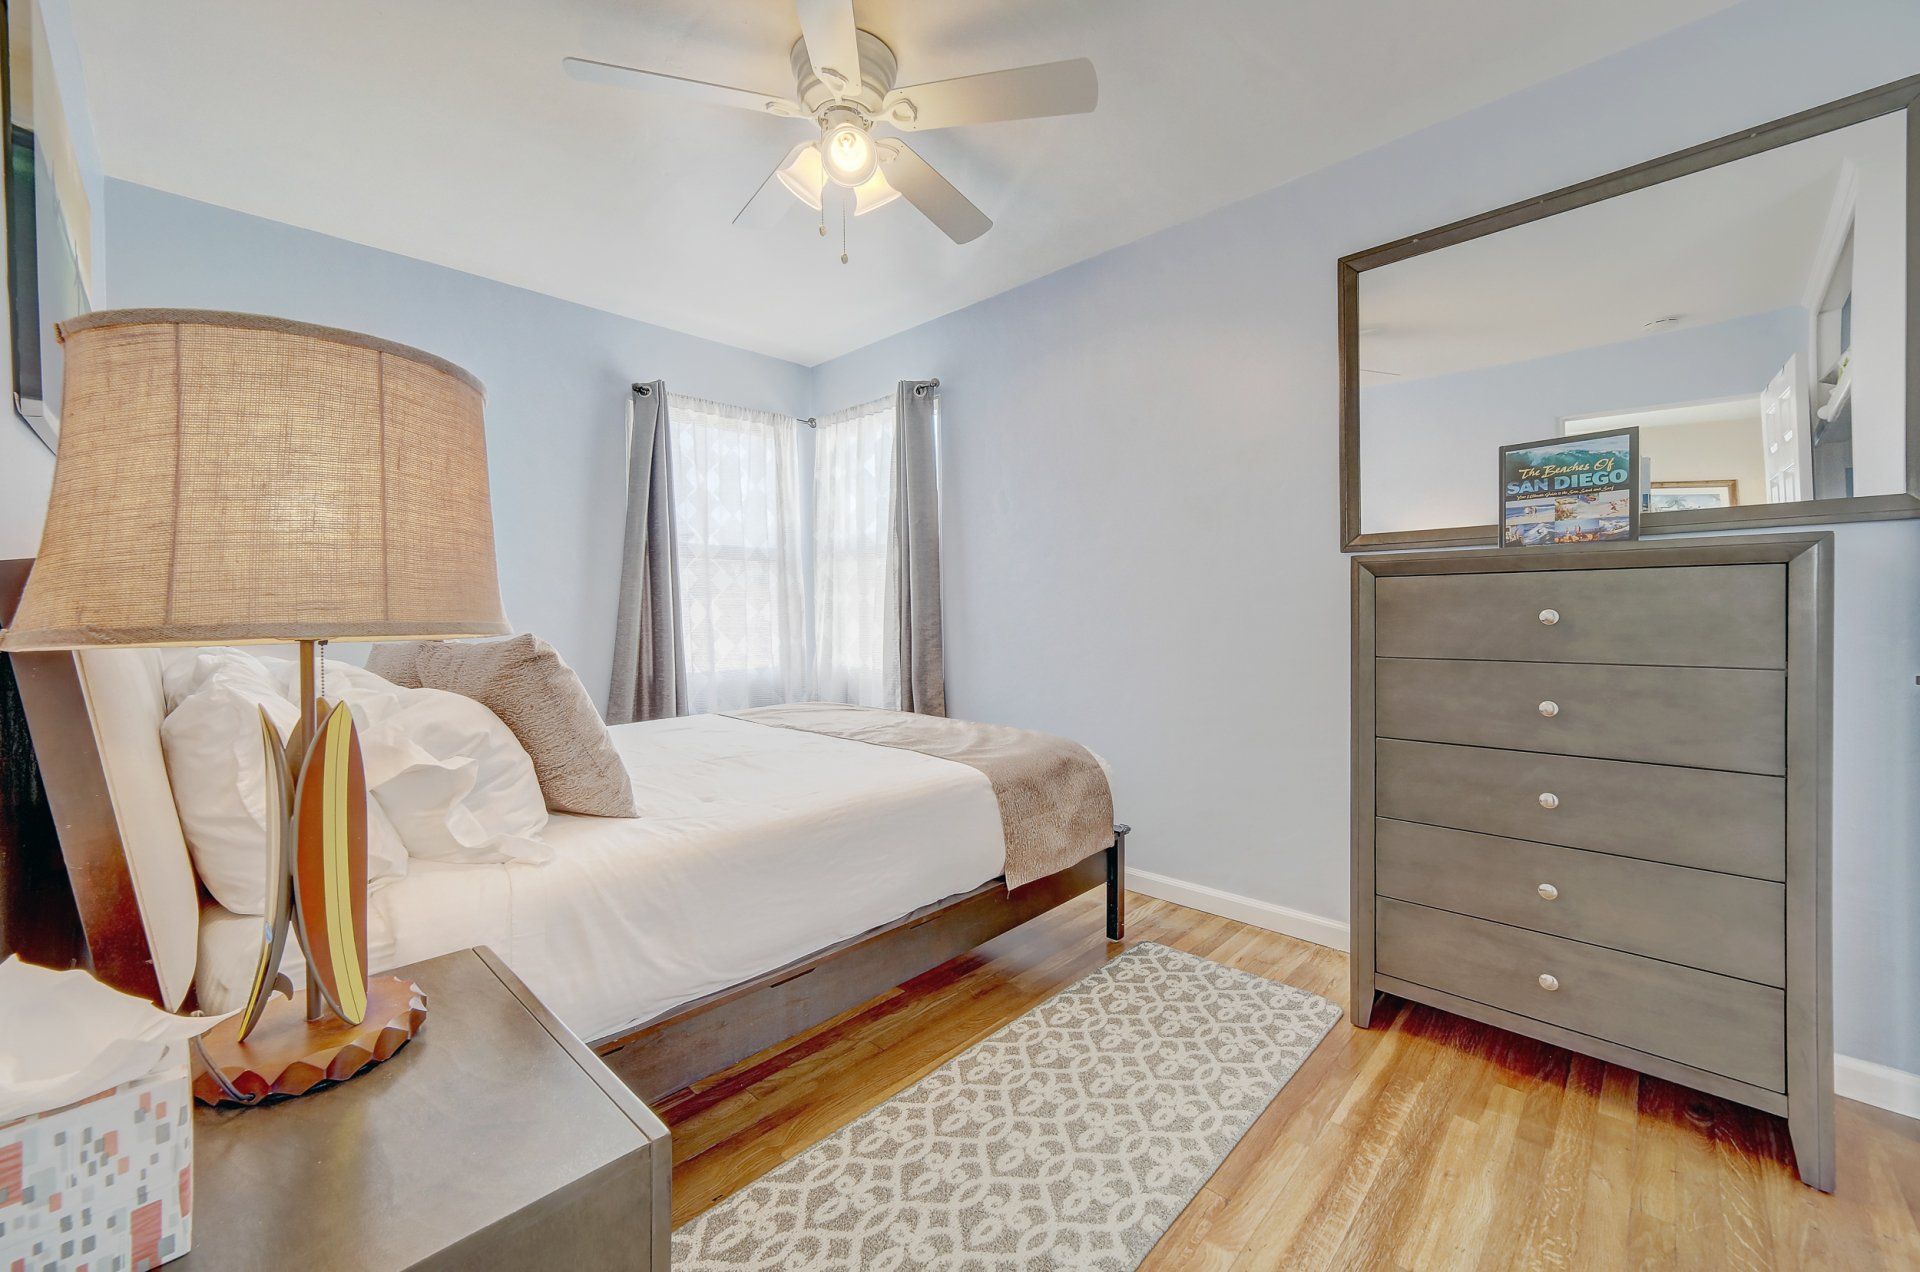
[182,671]
[455,781]
[218,772]
[370,697]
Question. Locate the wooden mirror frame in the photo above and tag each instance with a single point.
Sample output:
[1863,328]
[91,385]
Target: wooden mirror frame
[19,241]
[1903,95]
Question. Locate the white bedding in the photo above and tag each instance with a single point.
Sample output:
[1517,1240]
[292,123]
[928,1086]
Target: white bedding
[756,845]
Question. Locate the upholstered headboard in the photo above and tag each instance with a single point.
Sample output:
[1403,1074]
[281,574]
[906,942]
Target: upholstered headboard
[125,705]
[94,719]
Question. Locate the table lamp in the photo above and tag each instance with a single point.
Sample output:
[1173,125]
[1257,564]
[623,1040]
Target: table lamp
[235,479]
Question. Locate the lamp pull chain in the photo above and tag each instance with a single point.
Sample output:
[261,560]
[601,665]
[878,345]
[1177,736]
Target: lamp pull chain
[323,670]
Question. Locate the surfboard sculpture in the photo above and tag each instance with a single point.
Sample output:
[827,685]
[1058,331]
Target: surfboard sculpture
[330,865]
[279,907]
[317,885]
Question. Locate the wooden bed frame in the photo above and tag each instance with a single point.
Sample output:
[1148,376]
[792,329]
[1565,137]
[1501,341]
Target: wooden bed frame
[67,899]
[709,1034]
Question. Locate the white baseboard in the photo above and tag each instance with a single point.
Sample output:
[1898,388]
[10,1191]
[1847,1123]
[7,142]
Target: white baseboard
[1892,1089]
[1880,1085]
[1331,933]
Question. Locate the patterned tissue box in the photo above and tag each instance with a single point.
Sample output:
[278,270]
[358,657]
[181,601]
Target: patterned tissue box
[105,1185]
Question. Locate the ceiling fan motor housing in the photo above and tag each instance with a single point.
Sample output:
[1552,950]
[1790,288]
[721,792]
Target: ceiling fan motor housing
[878,67]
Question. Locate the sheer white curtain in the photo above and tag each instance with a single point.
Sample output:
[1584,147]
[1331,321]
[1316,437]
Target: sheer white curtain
[736,489]
[852,510]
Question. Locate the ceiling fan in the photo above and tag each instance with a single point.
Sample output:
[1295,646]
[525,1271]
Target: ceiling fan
[843,82]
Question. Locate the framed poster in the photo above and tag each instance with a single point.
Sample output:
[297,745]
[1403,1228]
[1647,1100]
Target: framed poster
[1579,489]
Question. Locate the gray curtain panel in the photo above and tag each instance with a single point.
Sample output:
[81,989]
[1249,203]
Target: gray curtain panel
[649,667]
[914,639]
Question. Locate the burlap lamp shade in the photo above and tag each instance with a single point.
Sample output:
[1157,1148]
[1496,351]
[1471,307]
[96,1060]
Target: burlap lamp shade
[228,478]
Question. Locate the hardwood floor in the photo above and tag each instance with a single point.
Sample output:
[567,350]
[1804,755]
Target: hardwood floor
[1426,1142]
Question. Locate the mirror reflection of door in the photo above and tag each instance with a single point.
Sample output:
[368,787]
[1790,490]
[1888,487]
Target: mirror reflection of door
[1783,433]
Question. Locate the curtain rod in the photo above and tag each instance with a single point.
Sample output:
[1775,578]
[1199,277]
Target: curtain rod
[811,421]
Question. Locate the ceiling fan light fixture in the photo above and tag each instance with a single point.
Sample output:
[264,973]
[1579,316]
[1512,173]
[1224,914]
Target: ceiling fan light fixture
[875,192]
[849,151]
[803,174]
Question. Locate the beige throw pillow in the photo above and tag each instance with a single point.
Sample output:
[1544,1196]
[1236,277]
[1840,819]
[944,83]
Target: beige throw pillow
[524,682]
[397,662]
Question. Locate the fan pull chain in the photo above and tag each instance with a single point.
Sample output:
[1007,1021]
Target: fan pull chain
[843,236]
[823,218]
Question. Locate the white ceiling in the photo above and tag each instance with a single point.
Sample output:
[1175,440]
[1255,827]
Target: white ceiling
[445,130]
[1720,244]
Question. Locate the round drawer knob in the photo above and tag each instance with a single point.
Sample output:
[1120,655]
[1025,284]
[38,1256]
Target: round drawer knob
[1549,982]
[1548,617]
[1549,800]
[1549,708]
[1548,892]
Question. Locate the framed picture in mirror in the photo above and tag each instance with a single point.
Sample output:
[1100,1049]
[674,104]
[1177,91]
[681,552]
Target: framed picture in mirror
[1751,306]
[1692,496]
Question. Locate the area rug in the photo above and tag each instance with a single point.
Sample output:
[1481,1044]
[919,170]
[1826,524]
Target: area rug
[1069,1139]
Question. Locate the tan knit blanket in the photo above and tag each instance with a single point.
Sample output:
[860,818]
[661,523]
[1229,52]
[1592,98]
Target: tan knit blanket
[1055,805]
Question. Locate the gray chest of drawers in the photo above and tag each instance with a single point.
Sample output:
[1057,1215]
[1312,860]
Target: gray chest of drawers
[1591,806]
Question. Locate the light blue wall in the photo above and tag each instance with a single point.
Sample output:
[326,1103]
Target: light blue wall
[1141,509]
[556,376]
[1425,447]
[26,475]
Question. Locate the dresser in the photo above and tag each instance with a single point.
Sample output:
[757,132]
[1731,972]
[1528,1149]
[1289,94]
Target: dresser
[1591,801]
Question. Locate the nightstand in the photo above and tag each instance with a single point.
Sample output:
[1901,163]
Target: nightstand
[496,1139]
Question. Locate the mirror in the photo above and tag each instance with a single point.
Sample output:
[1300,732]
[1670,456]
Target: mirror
[48,222]
[1746,305]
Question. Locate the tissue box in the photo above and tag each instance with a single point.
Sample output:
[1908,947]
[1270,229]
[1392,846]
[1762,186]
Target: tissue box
[104,1185]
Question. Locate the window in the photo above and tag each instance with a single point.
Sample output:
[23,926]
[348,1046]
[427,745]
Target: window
[779,602]
[852,515]
[737,515]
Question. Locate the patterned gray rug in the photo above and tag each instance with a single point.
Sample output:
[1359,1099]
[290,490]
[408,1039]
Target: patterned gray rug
[1070,1139]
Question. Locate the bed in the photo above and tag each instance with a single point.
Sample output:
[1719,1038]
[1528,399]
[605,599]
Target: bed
[779,878]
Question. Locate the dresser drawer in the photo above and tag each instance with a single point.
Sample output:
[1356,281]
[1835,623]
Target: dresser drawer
[1716,922]
[1735,822]
[1695,616]
[1705,717]
[1725,1026]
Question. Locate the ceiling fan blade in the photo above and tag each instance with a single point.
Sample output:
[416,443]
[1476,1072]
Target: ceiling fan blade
[593,72]
[1025,92]
[932,193]
[772,202]
[832,47]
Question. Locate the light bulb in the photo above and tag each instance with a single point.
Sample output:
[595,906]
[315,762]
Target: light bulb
[849,152]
